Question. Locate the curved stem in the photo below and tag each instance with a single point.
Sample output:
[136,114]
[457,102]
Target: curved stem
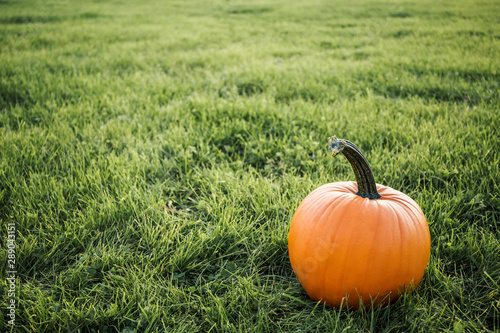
[364,175]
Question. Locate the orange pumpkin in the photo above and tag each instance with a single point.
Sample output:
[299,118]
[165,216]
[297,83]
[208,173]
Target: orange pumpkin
[353,243]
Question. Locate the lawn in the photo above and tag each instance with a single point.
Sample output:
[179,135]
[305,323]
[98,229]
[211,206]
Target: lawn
[152,155]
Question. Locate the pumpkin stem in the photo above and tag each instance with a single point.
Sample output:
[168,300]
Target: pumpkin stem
[364,175]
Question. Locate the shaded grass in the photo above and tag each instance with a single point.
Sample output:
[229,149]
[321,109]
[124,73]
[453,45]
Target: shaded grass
[152,156]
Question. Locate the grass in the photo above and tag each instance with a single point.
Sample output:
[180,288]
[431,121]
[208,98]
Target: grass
[153,153]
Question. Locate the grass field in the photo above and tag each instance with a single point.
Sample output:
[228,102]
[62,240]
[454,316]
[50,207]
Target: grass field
[153,153]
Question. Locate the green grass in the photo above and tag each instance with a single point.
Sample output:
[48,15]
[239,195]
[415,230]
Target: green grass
[153,153]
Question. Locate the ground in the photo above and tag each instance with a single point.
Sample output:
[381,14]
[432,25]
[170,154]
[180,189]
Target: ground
[153,153]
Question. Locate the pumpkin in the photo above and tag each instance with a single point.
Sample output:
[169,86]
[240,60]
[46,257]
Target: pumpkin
[353,243]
